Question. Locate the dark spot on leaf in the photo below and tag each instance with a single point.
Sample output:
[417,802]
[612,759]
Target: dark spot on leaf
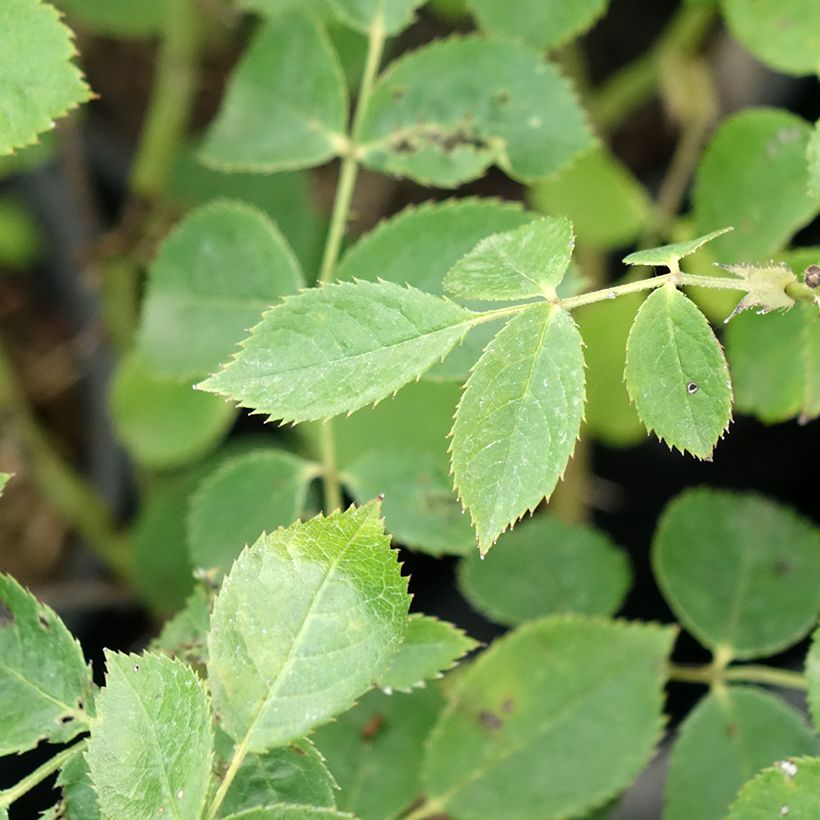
[66,719]
[782,567]
[6,616]
[434,136]
[136,667]
[508,706]
[397,93]
[299,751]
[692,388]
[731,730]
[372,727]
[490,720]
[43,621]
[501,97]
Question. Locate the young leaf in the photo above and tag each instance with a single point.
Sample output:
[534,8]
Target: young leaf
[40,83]
[782,33]
[440,233]
[185,635]
[119,18]
[676,373]
[529,261]
[793,784]
[375,751]
[446,112]
[253,493]
[579,701]
[44,680]
[544,26]
[766,286]
[669,255]
[723,742]
[813,677]
[738,570]
[775,361]
[151,743]
[543,567]
[79,800]
[306,621]
[163,422]
[339,347]
[518,419]
[391,15]
[753,175]
[430,647]
[214,276]
[606,204]
[294,774]
[273,83]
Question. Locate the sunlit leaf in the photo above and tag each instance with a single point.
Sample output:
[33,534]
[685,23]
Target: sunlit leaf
[670,255]
[793,783]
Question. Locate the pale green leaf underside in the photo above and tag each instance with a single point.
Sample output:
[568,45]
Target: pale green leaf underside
[306,621]
[119,18]
[518,264]
[253,493]
[813,677]
[38,80]
[446,112]
[393,15]
[794,783]
[669,255]
[753,175]
[738,571]
[676,373]
[44,680]
[164,422]
[339,347]
[518,419]
[430,648]
[375,751]
[151,743]
[725,741]
[577,701]
[785,34]
[545,567]
[221,268]
[281,111]
[540,24]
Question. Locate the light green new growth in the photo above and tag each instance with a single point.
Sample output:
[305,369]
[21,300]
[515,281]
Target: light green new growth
[670,255]
[520,264]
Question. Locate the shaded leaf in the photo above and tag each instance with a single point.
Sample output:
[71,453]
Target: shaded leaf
[670,255]
[79,800]
[793,783]
[392,15]
[518,419]
[185,635]
[813,677]
[519,264]
[214,276]
[813,156]
[543,567]
[40,82]
[305,622]
[119,18]
[151,745]
[738,570]
[579,701]
[274,84]
[339,347]
[724,741]
[446,112]
[676,373]
[44,680]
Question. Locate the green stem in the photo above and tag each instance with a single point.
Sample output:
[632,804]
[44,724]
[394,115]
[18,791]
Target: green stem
[65,489]
[710,675]
[15,792]
[330,475]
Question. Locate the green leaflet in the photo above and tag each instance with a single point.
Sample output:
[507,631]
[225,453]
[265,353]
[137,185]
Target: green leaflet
[445,113]
[793,784]
[4,479]
[151,743]
[185,635]
[775,361]
[214,276]
[44,680]
[725,740]
[606,204]
[813,677]
[785,35]
[375,751]
[579,701]
[306,620]
[294,774]
[813,156]
[339,347]
[430,648]
[526,262]
[79,801]
[543,567]
[283,811]
[753,176]
[440,233]
[739,571]
[518,419]
[118,18]
[164,423]
[670,255]
[393,15]
[542,25]
[255,492]
[676,373]
[273,83]
[39,83]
